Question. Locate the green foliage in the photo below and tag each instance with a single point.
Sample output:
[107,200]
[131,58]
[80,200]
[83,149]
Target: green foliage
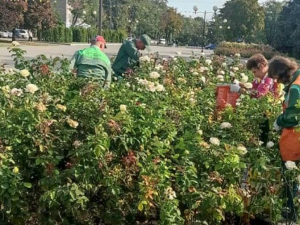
[273,10]
[171,23]
[245,50]
[77,34]
[191,31]
[73,153]
[287,37]
[9,10]
[245,17]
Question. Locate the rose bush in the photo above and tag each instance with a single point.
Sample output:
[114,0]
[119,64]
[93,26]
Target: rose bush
[151,148]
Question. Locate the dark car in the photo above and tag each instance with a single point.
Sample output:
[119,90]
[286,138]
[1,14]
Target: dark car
[210,46]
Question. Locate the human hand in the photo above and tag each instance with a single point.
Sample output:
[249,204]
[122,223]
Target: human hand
[235,88]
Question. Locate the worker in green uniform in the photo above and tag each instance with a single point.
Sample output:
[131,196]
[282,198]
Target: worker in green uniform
[92,62]
[128,55]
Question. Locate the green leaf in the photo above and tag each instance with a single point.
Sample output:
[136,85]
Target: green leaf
[4,186]
[176,156]
[141,206]
[28,185]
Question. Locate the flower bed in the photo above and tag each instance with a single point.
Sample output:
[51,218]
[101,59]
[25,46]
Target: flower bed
[151,148]
[245,50]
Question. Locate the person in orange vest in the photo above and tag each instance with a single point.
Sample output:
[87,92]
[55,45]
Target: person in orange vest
[287,72]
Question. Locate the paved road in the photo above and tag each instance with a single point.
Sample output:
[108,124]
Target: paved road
[112,50]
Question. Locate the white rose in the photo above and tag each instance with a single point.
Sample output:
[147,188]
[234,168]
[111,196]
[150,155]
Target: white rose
[5,89]
[182,80]
[248,85]
[225,125]
[200,132]
[32,88]
[244,79]
[238,55]
[203,79]
[270,144]
[214,141]
[231,74]
[154,75]
[290,165]
[235,69]
[208,61]
[16,91]
[222,72]
[192,100]
[72,123]
[242,150]
[172,195]
[15,43]
[220,77]
[195,73]
[224,64]
[202,53]
[151,87]
[145,59]
[123,108]
[159,87]
[143,82]
[128,84]
[41,107]
[24,73]
[159,67]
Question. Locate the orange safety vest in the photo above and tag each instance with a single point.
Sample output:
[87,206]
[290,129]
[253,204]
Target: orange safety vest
[289,143]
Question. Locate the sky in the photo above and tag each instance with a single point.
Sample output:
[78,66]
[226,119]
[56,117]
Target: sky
[185,7]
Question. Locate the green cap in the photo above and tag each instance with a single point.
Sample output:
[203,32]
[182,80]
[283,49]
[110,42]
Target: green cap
[146,40]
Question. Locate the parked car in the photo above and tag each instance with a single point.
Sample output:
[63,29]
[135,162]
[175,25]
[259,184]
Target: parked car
[20,33]
[210,46]
[154,42]
[162,41]
[9,34]
[3,34]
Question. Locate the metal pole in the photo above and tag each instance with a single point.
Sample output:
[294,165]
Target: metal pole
[110,14]
[100,17]
[203,33]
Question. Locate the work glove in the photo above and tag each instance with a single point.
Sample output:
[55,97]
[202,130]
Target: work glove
[276,127]
[235,88]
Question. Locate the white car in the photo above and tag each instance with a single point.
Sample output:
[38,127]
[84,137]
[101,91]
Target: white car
[3,34]
[20,33]
[162,41]
[9,34]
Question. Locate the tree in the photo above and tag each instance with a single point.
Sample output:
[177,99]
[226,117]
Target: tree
[191,32]
[84,11]
[11,14]
[39,15]
[273,10]
[216,30]
[135,16]
[171,23]
[287,37]
[245,18]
